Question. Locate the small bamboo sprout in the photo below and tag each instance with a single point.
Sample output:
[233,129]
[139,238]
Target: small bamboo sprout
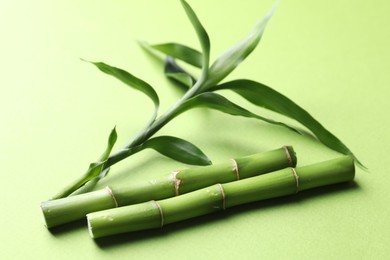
[61,211]
[156,214]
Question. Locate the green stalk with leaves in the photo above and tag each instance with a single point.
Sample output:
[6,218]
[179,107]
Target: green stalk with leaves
[64,210]
[156,214]
[201,92]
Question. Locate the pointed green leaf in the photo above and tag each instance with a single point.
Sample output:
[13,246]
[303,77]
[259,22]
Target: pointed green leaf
[181,78]
[264,96]
[202,36]
[171,69]
[94,169]
[129,80]
[220,103]
[229,60]
[175,72]
[134,82]
[158,56]
[111,142]
[178,149]
[181,52]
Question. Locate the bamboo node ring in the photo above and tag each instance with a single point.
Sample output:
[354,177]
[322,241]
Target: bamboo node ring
[161,213]
[235,168]
[176,182]
[109,190]
[223,196]
[296,179]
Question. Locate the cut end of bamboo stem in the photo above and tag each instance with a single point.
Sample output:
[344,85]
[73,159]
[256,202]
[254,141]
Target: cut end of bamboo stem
[44,216]
[61,211]
[90,230]
[291,156]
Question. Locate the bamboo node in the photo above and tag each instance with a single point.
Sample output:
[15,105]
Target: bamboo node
[161,213]
[109,190]
[288,156]
[176,182]
[235,168]
[223,196]
[296,179]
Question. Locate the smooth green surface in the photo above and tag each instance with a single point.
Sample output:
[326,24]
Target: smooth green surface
[331,57]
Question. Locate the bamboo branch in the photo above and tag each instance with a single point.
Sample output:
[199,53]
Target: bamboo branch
[200,93]
[155,214]
[61,211]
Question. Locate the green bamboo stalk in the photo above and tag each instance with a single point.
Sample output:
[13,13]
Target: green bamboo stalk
[61,211]
[156,214]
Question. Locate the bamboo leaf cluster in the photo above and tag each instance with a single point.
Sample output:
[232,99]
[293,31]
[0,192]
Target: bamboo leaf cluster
[201,91]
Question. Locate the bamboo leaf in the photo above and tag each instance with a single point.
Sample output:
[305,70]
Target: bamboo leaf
[220,103]
[181,52]
[264,96]
[202,36]
[175,72]
[111,142]
[171,69]
[229,60]
[177,149]
[156,55]
[182,78]
[129,80]
[134,82]
[94,170]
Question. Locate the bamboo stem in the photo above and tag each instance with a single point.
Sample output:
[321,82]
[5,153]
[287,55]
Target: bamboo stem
[64,210]
[155,214]
[56,212]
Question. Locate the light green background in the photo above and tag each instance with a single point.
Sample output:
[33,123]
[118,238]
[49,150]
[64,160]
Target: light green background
[331,57]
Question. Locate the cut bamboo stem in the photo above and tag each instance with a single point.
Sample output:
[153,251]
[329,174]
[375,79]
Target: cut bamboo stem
[61,211]
[155,214]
